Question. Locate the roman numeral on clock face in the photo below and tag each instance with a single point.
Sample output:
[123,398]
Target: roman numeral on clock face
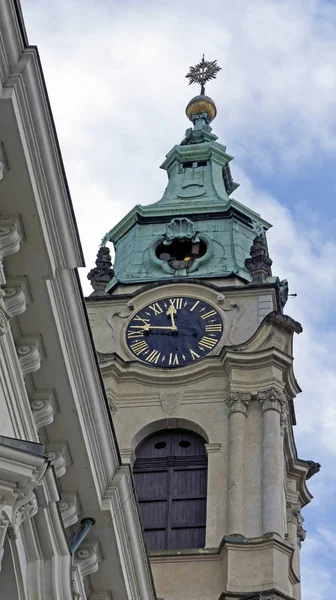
[193,354]
[176,302]
[209,314]
[134,334]
[173,359]
[156,308]
[153,357]
[139,347]
[207,342]
[214,327]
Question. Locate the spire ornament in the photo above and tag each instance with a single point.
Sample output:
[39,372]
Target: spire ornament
[204,71]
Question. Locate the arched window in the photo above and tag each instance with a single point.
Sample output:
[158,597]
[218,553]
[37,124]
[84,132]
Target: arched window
[170,475]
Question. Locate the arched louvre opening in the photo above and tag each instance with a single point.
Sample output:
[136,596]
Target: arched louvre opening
[170,475]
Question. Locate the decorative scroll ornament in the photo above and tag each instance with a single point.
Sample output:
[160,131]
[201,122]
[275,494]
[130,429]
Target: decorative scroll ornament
[238,402]
[87,558]
[69,506]
[180,229]
[24,509]
[272,399]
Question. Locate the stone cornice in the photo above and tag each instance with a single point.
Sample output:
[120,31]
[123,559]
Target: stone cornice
[284,321]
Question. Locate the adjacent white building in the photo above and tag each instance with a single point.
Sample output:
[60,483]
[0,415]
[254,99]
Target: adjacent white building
[59,459]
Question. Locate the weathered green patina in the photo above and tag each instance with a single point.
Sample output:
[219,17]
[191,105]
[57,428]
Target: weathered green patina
[198,190]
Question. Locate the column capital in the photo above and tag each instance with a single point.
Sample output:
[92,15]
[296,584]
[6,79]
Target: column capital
[238,402]
[272,399]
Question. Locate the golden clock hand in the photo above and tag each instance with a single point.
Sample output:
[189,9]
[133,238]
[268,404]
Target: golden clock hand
[148,327]
[171,312]
[170,327]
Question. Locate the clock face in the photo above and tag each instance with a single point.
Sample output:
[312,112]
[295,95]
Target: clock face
[173,332]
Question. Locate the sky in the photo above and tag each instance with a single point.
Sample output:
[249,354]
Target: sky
[115,76]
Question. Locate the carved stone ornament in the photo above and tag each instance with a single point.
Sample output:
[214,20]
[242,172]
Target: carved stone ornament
[301,535]
[284,419]
[259,265]
[4,522]
[43,405]
[272,399]
[87,558]
[111,401]
[238,402]
[16,298]
[59,456]
[10,239]
[293,513]
[70,509]
[29,354]
[24,509]
[103,272]
[180,229]
[3,322]
[171,401]
[313,468]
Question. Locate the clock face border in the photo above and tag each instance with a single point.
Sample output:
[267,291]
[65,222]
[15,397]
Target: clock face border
[174,331]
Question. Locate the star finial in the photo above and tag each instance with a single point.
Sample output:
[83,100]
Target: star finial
[203,72]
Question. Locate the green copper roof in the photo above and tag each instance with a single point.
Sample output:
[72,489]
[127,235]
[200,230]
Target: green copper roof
[196,205]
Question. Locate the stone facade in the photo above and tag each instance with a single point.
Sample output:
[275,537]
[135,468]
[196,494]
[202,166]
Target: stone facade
[237,398]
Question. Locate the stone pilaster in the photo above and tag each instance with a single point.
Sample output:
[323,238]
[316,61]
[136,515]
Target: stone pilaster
[272,402]
[214,522]
[238,403]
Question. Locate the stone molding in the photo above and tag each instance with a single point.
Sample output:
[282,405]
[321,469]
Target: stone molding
[272,399]
[238,402]
[106,595]
[212,448]
[70,508]
[127,455]
[44,406]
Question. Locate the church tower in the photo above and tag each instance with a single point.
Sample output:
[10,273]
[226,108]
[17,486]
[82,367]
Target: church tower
[196,355]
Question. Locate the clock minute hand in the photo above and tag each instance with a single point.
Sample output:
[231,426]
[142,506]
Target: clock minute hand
[171,312]
[169,327]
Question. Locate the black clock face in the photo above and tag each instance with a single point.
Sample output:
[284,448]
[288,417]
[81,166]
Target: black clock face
[173,332]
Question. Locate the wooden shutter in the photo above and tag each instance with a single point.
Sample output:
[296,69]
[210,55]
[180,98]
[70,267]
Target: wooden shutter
[170,475]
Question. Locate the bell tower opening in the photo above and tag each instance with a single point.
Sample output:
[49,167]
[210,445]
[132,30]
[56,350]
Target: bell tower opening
[170,475]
